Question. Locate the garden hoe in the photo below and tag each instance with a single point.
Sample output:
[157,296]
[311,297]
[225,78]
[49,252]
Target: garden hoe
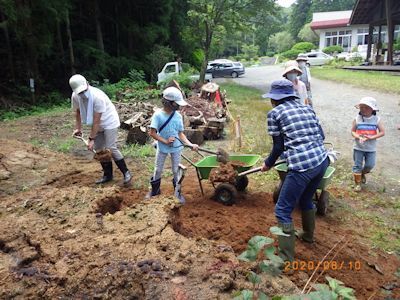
[104,155]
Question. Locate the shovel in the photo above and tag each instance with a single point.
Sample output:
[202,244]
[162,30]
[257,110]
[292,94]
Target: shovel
[103,155]
[222,155]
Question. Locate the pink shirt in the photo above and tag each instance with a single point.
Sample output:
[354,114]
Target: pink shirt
[301,91]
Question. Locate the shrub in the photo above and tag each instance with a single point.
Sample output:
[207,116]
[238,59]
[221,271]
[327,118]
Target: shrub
[291,54]
[303,46]
[184,79]
[332,49]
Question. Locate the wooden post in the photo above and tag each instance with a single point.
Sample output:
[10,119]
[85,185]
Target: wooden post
[370,38]
[239,132]
[390,32]
[379,44]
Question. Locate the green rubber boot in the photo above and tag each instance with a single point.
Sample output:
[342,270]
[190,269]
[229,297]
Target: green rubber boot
[308,223]
[286,243]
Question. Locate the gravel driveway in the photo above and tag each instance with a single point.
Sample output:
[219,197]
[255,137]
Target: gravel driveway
[334,103]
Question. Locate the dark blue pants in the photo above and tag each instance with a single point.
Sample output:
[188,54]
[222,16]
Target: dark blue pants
[298,188]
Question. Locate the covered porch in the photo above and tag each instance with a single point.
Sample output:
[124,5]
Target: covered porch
[381,16]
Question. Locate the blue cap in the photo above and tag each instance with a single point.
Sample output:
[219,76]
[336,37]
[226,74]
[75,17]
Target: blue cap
[281,89]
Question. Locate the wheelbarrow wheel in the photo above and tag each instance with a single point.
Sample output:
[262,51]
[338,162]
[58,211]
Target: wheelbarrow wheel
[277,191]
[226,193]
[323,203]
[241,183]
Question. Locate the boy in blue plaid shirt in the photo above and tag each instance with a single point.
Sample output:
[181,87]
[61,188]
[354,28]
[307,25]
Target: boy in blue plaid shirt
[296,134]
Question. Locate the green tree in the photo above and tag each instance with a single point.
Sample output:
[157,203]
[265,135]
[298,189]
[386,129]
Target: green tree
[250,51]
[332,5]
[300,15]
[157,58]
[307,35]
[209,14]
[281,41]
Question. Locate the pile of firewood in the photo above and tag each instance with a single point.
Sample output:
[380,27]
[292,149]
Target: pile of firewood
[204,118]
[136,118]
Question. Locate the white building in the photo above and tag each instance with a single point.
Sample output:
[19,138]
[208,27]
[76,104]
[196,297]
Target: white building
[333,29]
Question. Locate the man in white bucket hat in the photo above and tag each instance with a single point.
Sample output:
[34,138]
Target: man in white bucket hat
[367,127]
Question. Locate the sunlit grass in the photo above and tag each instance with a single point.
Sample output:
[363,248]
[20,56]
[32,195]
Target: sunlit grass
[252,110]
[379,81]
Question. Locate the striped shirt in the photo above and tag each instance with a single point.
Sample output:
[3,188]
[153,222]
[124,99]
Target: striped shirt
[366,126]
[302,134]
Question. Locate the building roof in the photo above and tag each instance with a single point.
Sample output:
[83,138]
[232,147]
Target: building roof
[374,12]
[362,11]
[331,19]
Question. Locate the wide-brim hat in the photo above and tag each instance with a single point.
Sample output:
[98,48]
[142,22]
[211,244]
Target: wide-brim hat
[302,56]
[280,89]
[369,101]
[292,68]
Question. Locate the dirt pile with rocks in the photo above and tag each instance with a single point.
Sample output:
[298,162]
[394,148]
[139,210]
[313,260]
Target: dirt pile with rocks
[63,237]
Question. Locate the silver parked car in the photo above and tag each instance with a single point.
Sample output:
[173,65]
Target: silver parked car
[318,58]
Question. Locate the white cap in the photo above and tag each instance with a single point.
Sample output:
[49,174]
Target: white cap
[174,94]
[371,102]
[78,83]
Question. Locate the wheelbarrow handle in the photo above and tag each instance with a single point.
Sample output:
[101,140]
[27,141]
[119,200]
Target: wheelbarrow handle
[258,169]
[251,171]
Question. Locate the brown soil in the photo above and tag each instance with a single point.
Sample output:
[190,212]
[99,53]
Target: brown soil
[224,173]
[367,271]
[62,237]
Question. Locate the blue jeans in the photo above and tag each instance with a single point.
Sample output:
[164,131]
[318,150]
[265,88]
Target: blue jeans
[298,188]
[364,162]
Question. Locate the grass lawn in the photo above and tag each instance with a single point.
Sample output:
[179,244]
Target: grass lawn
[379,81]
[252,110]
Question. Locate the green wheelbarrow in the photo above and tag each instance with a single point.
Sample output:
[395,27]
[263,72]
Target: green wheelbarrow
[321,195]
[225,193]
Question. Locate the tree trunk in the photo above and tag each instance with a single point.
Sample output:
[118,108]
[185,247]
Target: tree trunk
[9,48]
[30,44]
[99,33]
[70,48]
[207,45]
[61,47]
[116,19]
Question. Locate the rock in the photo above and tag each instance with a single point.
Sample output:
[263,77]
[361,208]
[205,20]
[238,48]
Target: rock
[178,280]
[4,174]
[221,281]
[182,268]
[156,266]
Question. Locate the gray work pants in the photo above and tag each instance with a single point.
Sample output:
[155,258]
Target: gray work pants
[160,160]
[108,139]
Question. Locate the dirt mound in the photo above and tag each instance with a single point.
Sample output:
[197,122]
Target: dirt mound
[66,238]
[369,273]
